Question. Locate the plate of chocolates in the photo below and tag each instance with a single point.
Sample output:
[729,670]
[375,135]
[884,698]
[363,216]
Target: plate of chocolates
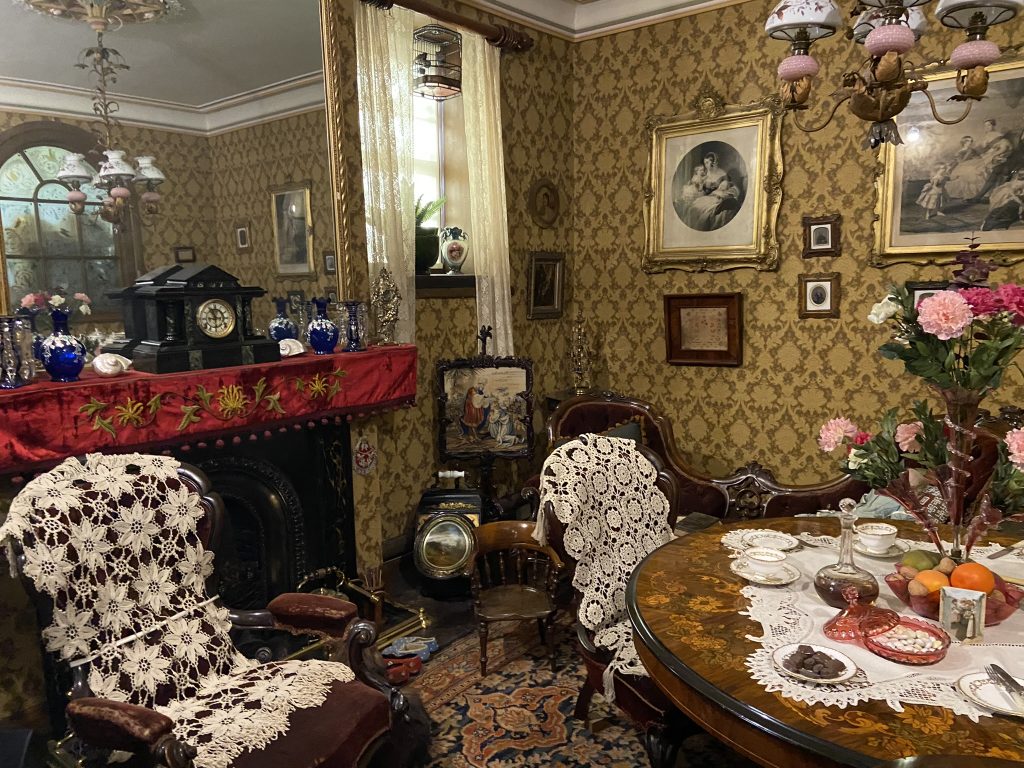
[811,663]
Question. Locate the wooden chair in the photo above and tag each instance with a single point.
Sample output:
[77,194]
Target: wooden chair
[513,578]
[951,761]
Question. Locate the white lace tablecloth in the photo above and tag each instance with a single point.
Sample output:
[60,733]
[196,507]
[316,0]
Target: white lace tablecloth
[795,614]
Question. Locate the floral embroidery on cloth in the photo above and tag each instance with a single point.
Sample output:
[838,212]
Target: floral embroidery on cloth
[602,489]
[114,543]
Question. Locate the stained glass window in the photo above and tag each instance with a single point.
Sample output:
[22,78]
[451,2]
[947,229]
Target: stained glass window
[47,247]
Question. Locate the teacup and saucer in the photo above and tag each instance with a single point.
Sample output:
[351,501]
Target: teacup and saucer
[878,540]
[765,566]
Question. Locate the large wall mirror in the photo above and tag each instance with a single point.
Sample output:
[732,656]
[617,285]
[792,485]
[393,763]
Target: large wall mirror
[228,100]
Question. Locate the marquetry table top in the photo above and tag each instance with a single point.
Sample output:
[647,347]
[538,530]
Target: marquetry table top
[685,606]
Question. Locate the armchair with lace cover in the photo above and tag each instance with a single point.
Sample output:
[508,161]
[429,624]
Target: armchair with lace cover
[115,551]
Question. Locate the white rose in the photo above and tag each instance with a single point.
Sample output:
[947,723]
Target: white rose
[883,310]
[56,300]
[856,458]
[85,309]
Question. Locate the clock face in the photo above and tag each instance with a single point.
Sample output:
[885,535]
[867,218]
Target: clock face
[215,318]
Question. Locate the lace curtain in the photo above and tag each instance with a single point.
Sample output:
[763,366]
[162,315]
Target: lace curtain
[384,75]
[481,98]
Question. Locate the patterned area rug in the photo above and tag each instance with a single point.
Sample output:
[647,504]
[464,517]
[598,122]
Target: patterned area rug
[521,713]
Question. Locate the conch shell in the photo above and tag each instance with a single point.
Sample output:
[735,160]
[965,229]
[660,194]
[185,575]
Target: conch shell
[108,364]
[290,347]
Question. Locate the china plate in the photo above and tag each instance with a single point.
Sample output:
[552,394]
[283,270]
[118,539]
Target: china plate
[979,688]
[787,573]
[770,539]
[897,549]
[780,654]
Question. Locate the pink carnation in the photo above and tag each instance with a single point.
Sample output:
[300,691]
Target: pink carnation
[984,301]
[833,432]
[1011,296]
[861,437]
[1015,442]
[28,300]
[945,314]
[906,436]
[84,298]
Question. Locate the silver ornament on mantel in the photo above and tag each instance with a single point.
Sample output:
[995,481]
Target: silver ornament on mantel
[385,300]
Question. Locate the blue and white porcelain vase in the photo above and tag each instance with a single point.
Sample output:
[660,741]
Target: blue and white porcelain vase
[454,249]
[322,332]
[282,327]
[62,354]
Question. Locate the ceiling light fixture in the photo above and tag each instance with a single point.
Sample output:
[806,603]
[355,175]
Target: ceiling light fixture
[881,88]
[99,14]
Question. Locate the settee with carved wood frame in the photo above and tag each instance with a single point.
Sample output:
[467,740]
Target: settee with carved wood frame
[354,724]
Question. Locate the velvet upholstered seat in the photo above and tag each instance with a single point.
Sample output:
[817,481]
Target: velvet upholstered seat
[115,551]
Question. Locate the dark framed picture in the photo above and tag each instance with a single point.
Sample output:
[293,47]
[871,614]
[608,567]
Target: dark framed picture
[822,235]
[946,183]
[332,297]
[184,254]
[330,263]
[819,295]
[547,285]
[296,301]
[485,407]
[293,228]
[704,329]
[544,203]
[922,289]
[243,237]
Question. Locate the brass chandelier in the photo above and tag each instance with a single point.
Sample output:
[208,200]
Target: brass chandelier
[881,87]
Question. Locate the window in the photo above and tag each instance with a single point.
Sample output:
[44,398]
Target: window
[427,122]
[46,246]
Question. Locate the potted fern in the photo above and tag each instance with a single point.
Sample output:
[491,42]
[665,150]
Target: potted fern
[428,245]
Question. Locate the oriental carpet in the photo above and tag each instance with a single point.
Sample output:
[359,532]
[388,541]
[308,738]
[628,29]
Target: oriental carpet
[521,713]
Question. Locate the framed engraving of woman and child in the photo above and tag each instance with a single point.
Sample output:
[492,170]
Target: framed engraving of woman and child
[947,183]
[714,188]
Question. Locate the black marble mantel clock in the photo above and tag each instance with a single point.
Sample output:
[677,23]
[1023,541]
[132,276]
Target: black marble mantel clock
[188,317]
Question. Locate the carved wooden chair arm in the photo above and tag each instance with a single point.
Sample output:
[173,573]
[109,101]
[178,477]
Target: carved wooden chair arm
[362,638]
[121,726]
[300,613]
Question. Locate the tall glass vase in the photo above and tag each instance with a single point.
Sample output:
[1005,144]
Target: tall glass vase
[961,418]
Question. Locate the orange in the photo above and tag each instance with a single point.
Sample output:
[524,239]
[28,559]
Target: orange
[973,576]
[934,580]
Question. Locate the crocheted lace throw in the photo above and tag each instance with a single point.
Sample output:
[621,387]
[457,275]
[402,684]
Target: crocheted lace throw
[114,543]
[602,489]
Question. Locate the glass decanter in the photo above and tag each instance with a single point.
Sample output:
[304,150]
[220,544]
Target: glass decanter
[831,581]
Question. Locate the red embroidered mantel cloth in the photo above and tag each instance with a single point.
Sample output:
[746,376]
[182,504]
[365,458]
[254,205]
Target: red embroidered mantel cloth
[43,423]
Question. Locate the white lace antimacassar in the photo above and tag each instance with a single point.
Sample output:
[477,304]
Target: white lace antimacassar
[783,621]
[114,543]
[602,489]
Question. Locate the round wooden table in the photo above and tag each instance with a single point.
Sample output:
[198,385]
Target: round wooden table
[685,605]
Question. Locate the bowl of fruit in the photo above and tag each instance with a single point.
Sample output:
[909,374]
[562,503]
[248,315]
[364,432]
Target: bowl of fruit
[921,575]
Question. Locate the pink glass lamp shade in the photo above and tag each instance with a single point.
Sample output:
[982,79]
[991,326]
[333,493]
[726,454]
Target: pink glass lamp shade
[976,14]
[793,68]
[120,193]
[874,17]
[889,37]
[809,20]
[974,53]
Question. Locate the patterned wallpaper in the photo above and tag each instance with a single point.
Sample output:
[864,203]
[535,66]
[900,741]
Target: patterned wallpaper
[796,373]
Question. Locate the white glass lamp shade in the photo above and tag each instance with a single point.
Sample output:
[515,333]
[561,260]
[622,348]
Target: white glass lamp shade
[116,169]
[818,18]
[148,173]
[873,17]
[960,14]
[74,169]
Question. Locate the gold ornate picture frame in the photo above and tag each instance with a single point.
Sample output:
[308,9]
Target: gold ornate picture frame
[947,183]
[714,187]
[293,228]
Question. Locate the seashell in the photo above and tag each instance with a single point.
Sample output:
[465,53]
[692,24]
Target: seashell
[108,364]
[290,347]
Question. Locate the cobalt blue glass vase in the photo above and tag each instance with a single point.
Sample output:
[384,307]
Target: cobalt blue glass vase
[283,327]
[322,333]
[62,354]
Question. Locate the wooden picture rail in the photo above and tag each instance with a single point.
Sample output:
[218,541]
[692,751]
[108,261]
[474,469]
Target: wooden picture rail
[500,36]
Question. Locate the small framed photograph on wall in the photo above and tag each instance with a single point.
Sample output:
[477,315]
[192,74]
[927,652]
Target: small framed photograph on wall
[330,263]
[293,228]
[922,289]
[704,329]
[184,254]
[819,295]
[296,301]
[243,237]
[822,235]
[546,281]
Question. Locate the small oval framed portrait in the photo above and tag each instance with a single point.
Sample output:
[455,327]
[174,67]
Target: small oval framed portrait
[544,203]
[819,295]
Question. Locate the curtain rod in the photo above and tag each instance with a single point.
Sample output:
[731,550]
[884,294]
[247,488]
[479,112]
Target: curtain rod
[498,35]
